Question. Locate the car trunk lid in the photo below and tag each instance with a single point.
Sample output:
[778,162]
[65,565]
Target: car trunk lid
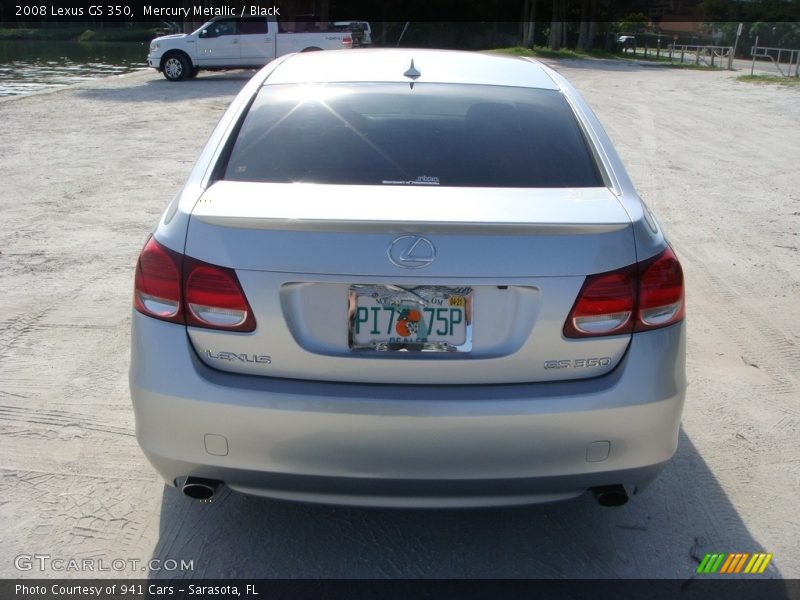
[518,257]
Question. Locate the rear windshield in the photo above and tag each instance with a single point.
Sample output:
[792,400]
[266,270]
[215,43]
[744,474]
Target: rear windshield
[396,134]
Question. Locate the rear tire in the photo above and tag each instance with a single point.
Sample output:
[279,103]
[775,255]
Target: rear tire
[176,67]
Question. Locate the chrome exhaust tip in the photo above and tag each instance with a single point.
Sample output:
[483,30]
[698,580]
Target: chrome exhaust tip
[610,495]
[202,490]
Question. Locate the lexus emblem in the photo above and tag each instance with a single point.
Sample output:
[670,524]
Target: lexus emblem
[411,252]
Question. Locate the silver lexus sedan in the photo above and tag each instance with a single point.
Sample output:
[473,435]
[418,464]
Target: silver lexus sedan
[408,278]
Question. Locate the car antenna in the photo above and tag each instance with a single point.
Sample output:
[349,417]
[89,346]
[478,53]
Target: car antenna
[412,73]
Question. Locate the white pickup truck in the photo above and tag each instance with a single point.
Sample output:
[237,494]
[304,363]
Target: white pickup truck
[239,43]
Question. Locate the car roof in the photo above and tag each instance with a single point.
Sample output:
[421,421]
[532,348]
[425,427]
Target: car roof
[391,65]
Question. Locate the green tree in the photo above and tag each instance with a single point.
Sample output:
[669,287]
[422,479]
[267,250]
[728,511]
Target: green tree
[776,34]
[558,25]
[634,23]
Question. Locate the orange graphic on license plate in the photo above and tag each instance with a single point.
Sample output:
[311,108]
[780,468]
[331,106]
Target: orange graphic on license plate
[408,322]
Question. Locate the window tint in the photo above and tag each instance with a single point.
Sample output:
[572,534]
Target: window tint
[252,26]
[431,134]
[221,27]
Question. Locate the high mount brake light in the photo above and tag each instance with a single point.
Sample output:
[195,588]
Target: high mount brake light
[179,289]
[639,297]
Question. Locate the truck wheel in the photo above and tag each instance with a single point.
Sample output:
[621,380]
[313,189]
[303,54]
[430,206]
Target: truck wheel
[176,67]
[193,73]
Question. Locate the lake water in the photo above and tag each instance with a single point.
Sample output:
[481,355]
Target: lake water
[33,66]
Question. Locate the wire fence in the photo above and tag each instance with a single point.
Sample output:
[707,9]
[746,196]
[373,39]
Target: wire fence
[712,56]
[785,61]
[781,58]
[720,57]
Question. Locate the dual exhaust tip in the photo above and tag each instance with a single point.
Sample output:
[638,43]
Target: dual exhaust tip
[204,490]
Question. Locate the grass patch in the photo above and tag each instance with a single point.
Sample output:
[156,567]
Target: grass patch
[543,52]
[770,79]
[691,66]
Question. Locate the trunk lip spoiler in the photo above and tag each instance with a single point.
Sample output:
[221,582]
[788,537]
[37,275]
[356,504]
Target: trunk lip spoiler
[380,209]
[392,226]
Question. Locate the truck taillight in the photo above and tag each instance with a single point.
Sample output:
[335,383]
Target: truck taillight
[639,297]
[347,41]
[179,289]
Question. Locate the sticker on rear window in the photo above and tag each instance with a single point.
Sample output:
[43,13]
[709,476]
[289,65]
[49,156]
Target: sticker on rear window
[421,180]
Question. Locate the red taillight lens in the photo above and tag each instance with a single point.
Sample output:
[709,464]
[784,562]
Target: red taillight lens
[157,288]
[215,299]
[640,297]
[347,41]
[604,306]
[660,292]
[183,290]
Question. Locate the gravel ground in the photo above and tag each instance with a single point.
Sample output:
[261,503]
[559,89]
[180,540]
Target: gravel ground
[84,174]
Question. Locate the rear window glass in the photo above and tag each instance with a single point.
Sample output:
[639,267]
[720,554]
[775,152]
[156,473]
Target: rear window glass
[393,134]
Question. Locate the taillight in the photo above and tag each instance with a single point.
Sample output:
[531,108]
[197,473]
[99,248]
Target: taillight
[660,292]
[347,41]
[157,288]
[639,297]
[184,290]
[604,306]
[215,299]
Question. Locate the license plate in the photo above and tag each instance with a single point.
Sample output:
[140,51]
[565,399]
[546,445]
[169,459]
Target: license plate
[411,319]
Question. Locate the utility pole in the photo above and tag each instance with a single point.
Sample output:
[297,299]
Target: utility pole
[735,43]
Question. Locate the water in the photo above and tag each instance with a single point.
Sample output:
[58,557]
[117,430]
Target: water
[27,67]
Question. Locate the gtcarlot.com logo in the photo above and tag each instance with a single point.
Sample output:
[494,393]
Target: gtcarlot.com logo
[727,564]
[45,562]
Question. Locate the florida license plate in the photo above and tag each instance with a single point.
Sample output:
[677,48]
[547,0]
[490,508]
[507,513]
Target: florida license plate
[418,318]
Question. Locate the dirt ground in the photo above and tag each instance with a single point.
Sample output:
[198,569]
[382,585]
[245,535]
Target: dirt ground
[85,173]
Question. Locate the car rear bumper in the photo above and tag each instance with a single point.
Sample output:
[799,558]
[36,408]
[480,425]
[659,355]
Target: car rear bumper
[394,445]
